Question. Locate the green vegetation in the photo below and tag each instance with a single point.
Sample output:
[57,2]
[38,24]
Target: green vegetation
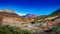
[6,29]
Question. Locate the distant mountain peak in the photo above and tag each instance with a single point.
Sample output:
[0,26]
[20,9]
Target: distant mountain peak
[30,15]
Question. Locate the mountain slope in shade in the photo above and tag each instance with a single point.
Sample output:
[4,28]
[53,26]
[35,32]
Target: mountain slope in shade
[57,12]
[29,15]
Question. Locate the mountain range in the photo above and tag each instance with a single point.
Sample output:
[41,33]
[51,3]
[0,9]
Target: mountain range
[7,12]
[29,16]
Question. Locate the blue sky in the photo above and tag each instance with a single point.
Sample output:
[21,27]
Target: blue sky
[39,7]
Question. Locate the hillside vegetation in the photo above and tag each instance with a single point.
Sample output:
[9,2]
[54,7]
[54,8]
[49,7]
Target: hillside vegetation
[6,29]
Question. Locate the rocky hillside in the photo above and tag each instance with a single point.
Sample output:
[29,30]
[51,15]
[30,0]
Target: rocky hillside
[8,13]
